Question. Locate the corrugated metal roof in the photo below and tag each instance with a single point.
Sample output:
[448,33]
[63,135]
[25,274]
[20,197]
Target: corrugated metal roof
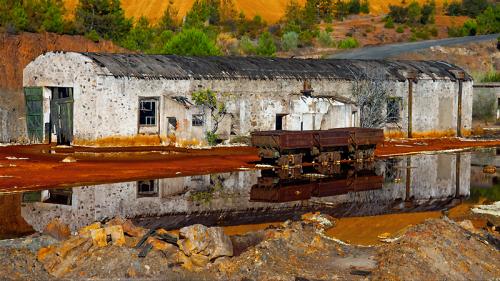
[221,68]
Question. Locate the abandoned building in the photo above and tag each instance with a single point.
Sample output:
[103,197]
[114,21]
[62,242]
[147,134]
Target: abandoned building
[89,96]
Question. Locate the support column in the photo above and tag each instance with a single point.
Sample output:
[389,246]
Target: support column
[459,113]
[410,108]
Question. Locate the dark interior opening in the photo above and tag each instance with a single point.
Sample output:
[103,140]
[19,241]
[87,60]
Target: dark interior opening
[279,121]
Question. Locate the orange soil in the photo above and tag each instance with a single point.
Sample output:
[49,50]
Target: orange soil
[45,170]
[271,11]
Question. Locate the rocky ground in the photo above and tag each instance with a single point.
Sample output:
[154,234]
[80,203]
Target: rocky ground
[438,249]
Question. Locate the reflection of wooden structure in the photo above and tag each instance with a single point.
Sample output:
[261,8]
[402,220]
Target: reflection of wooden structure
[274,189]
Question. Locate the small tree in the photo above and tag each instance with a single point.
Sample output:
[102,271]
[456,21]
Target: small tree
[266,46]
[191,42]
[169,19]
[106,17]
[140,37]
[207,99]
[371,94]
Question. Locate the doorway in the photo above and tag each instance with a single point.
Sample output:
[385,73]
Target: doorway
[279,121]
[61,114]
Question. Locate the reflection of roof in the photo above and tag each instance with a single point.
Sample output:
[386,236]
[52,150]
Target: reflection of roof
[179,67]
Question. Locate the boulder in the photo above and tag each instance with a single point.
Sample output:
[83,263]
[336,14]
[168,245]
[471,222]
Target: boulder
[99,237]
[320,220]
[489,212]
[199,245]
[116,233]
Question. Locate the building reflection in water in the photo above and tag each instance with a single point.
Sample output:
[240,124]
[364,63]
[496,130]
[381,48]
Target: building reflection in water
[403,184]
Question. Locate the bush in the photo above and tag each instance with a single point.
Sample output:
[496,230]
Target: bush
[325,39]
[428,13]
[493,76]
[140,38]
[365,7]
[306,38]
[433,31]
[454,9]
[247,46]
[191,42]
[399,14]
[488,22]
[266,46]
[400,29]
[290,41]
[422,33]
[348,43]
[92,35]
[329,29]
[212,138]
[389,22]
[414,12]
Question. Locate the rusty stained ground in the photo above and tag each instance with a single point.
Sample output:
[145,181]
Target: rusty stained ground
[34,167]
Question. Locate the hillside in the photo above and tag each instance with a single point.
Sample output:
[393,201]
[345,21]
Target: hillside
[271,11]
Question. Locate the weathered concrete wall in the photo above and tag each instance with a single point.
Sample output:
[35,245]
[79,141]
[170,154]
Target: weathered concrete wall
[12,116]
[108,106]
[487,92]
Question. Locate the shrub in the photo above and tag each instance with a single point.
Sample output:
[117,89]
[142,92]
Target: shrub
[212,138]
[399,14]
[414,12]
[433,31]
[492,76]
[325,39]
[306,38]
[92,35]
[389,22]
[488,22]
[266,46]
[428,13]
[247,46]
[290,41]
[348,43]
[140,37]
[400,29]
[365,7]
[191,42]
[422,33]
[329,29]
[454,9]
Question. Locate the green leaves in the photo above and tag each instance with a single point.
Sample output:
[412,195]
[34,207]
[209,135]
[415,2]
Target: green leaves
[192,42]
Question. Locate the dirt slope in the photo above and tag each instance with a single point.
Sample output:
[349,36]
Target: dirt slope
[16,51]
[271,11]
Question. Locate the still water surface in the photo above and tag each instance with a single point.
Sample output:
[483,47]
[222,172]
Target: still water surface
[369,199]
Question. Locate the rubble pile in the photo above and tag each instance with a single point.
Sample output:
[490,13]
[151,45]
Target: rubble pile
[196,248]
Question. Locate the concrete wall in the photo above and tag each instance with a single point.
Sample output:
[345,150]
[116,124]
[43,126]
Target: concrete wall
[12,116]
[489,92]
[109,106]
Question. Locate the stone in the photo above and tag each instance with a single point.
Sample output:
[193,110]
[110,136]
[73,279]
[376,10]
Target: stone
[128,227]
[161,245]
[211,242]
[467,225]
[489,212]
[57,229]
[116,233]
[220,244]
[85,231]
[69,159]
[193,239]
[384,235]
[99,237]
[321,220]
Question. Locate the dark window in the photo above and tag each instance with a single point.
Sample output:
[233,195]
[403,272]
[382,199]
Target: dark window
[147,112]
[62,93]
[393,110]
[198,120]
[279,121]
[148,188]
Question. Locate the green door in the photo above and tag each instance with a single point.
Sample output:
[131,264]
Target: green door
[61,110]
[34,113]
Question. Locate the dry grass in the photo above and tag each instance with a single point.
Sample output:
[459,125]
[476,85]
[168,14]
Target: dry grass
[271,11]
[140,140]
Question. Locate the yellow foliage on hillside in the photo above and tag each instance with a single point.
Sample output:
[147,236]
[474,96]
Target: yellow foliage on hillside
[269,10]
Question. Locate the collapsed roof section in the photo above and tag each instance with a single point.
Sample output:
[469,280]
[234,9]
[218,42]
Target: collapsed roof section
[174,67]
